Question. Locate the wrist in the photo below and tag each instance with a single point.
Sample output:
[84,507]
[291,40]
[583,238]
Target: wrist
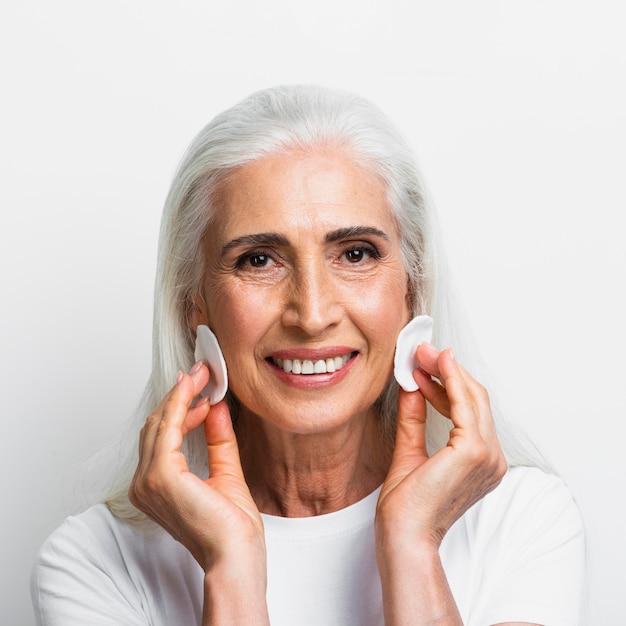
[396,553]
[414,585]
[235,594]
[394,537]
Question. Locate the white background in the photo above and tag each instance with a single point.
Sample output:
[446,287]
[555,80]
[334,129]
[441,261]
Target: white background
[517,114]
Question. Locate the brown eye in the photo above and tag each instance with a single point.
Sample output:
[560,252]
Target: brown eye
[258,260]
[360,253]
[354,256]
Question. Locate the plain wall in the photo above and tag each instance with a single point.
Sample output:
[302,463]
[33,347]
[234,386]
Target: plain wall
[516,114]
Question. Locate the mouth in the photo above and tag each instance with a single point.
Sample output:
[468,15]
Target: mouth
[307,367]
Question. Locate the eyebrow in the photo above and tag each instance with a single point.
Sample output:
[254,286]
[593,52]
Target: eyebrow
[277,239]
[259,239]
[352,232]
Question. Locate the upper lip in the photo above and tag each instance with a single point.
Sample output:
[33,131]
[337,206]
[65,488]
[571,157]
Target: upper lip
[312,354]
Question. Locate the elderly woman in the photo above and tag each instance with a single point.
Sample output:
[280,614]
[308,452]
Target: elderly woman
[317,492]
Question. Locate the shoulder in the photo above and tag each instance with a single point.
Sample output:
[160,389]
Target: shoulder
[518,555]
[530,509]
[528,502]
[99,538]
[97,565]
[94,534]
[532,496]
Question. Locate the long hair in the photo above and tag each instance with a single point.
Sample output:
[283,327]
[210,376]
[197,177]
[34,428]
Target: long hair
[276,121]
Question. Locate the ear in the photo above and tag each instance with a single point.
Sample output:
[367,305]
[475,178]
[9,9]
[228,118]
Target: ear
[196,311]
[409,300]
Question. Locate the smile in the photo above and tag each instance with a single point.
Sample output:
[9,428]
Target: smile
[308,367]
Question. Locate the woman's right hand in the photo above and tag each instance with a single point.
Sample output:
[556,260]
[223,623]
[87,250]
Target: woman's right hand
[216,519]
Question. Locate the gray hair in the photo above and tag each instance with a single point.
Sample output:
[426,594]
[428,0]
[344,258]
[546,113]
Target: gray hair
[272,121]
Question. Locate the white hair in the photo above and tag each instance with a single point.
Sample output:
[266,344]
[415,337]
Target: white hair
[268,122]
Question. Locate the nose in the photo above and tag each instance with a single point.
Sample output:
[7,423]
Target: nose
[313,305]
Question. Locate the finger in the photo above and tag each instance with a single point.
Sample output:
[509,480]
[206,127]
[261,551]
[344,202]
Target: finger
[433,391]
[150,429]
[177,416]
[411,426]
[147,437]
[466,394]
[427,359]
[196,415]
[479,398]
[222,448]
[474,417]
[471,406]
[464,409]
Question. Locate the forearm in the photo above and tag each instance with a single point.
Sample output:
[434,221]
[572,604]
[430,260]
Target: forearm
[414,585]
[233,597]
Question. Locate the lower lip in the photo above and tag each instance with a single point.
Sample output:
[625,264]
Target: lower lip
[314,381]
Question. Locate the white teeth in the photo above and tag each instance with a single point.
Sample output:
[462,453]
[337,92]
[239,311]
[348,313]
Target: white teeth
[319,367]
[306,366]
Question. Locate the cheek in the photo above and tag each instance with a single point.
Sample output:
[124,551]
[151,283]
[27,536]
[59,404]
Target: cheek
[385,305]
[239,315]
[385,314]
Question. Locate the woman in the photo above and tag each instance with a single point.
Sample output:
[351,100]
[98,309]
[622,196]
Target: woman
[296,230]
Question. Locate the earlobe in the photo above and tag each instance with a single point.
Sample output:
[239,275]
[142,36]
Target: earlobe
[409,298]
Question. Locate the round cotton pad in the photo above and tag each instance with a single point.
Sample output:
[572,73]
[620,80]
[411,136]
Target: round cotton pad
[208,350]
[418,330]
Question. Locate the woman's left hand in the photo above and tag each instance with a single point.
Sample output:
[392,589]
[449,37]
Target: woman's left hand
[423,496]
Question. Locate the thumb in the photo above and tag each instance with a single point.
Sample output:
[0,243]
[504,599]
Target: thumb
[411,428]
[222,448]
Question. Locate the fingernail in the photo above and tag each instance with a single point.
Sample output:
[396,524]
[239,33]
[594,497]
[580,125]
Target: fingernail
[428,346]
[196,366]
[202,400]
[452,354]
[179,377]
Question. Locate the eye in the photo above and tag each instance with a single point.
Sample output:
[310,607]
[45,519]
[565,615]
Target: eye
[355,256]
[258,260]
[254,260]
[358,254]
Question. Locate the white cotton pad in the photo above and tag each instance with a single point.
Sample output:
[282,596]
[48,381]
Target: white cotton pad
[418,330]
[209,351]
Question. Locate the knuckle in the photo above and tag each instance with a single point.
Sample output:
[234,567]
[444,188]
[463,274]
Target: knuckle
[151,421]
[502,466]
[145,485]
[482,393]
[132,495]
[161,427]
[152,483]
[479,455]
[497,465]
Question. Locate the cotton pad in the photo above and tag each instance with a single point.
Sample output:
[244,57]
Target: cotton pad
[208,350]
[418,330]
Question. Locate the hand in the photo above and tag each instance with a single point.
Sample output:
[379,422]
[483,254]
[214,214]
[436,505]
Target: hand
[423,496]
[216,518]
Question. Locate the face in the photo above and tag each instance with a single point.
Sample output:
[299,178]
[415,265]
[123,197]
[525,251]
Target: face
[305,289]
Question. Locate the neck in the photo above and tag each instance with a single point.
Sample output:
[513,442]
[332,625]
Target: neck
[301,475]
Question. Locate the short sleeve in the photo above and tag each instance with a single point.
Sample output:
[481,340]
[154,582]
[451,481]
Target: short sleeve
[535,542]
[76,580]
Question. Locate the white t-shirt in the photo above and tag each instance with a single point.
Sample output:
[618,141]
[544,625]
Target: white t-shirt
[517,555]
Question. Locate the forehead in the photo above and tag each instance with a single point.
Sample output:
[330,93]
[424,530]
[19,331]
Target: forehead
[323,188]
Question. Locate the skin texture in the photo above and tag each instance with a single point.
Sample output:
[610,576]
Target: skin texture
[311,291]
[303,261]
